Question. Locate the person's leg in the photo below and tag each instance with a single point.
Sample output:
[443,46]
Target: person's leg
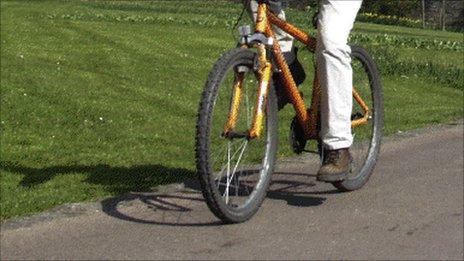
[335,22]
[285,40]
[286,46]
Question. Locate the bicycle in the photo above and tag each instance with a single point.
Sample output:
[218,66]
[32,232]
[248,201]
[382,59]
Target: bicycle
[234,183]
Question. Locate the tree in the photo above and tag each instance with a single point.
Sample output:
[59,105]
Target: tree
[400,8]
[423,14]
[443,15]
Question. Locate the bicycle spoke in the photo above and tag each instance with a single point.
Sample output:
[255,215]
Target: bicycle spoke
[227,165]
[230,175]
[218,154]
[239,158]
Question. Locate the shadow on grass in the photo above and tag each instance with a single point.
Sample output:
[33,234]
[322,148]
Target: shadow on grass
[116,180]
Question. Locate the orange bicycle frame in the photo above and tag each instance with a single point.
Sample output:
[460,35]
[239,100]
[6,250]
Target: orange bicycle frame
[307,118]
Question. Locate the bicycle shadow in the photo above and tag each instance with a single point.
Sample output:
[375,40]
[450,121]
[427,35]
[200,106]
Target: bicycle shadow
[186,206]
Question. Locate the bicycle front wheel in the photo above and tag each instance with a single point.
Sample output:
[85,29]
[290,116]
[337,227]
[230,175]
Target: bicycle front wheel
[366,137]
[234,173]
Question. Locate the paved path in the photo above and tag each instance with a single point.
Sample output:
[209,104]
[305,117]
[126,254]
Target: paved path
[412,208]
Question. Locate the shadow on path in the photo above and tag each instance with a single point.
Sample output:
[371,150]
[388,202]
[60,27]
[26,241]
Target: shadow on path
[186,207]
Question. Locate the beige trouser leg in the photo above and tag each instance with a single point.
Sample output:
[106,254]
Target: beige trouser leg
[285,40]
[335,22]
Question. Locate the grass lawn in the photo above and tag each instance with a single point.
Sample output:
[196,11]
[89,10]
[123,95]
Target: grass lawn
[98,99]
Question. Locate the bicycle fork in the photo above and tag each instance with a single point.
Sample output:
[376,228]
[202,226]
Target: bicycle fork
[265,73]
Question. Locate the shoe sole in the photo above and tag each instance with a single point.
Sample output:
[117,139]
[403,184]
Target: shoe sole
[333,177]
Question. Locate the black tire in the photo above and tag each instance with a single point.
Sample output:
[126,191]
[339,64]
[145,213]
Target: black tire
[208,136]
[366,149]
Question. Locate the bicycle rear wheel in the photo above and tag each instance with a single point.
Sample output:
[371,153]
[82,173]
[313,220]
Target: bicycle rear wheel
[367,138]
[234,173]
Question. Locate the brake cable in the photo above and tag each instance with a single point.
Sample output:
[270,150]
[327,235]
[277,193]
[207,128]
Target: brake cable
[239,18]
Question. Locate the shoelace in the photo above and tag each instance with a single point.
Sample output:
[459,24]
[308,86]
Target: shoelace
[331,156]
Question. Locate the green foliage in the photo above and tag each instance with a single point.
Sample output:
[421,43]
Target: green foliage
[388,20]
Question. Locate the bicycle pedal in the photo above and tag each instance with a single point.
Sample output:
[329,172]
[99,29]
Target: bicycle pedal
[297,138]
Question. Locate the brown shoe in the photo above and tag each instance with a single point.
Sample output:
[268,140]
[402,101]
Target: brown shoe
[336,165]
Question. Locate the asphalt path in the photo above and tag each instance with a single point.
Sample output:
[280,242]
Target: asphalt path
[412,208]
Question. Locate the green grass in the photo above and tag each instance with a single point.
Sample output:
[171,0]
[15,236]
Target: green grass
[408,31]
[100,98]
